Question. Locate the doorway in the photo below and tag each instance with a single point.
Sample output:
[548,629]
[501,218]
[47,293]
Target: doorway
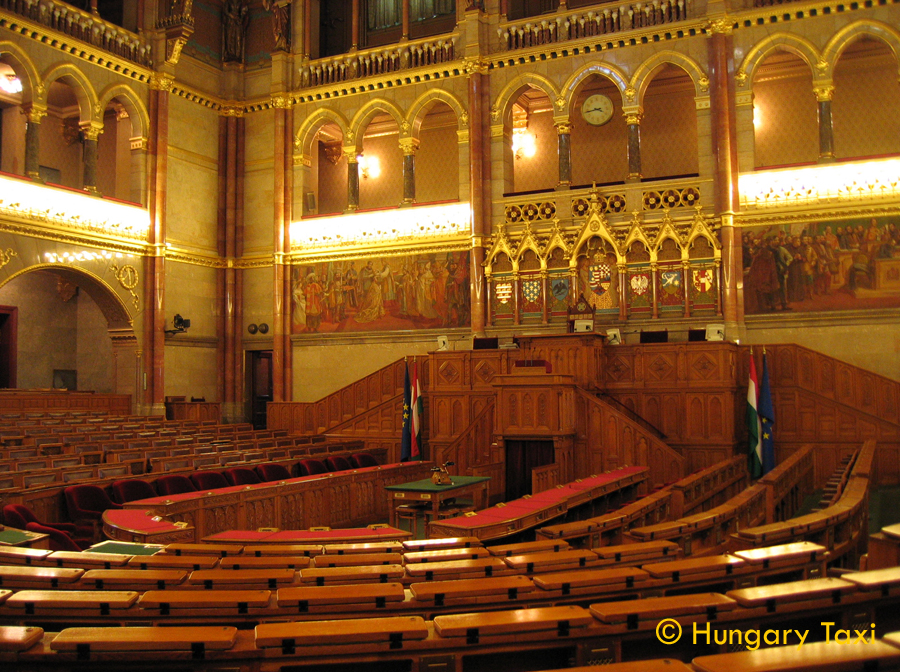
[8,331]
[521,457]
[260,386]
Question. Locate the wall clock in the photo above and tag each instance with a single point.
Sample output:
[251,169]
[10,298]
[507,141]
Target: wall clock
[597,109]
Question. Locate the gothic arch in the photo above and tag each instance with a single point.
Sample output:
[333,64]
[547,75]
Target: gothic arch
[795,44]
[84,90]
[507,96]
[32,88]
[850,34]
[366,113]
[646,70]
[424,103]
[140,123]
[305,135]
[579,76]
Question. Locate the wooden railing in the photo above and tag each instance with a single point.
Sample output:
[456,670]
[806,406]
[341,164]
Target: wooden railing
[82,26]
[544,478]
[788,483]
[709,487]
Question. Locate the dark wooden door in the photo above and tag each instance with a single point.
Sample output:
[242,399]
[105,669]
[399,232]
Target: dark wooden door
[521,457]
[260,386]
[8,330]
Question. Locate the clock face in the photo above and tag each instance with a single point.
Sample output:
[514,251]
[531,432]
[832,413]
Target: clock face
[597,109]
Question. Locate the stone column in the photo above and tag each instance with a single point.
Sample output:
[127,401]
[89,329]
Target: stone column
[352,179]
[564,136]
[354,28]
[623,292]
[516,288]
[654,282]
[409,147]
[138,185]
[89,157]
[720,48]
[478,157]
[633,121]
[686,283]
[545,287]
[824,94]
[33,141]
[280,340]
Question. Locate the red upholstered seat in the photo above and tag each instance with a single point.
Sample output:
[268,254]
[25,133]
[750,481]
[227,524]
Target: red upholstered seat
[363,460]
[338,463]
[174,484]
[131,489]
[59,540]
[272,472]
[87,502]
[312,467]
[208,480]
[19,515]
[241,476]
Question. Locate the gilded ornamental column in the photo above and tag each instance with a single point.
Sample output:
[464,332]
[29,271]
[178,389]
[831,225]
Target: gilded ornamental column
[33,141]
[409,147]
[633,123]
[686,283]
[824,94]
[479,173]
[564,135]
[623,292]
[89,158]
[654,281]
[352,179]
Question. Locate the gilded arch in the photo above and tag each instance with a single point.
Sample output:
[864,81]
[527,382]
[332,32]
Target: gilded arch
[502,106]
[366,113]
[140,123]
[84,90]
[795,44]
[850,34]
[423,104]
[305,135]
[645,71]
[607,70]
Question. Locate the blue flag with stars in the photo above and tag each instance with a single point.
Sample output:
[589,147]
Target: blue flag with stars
[406,437]
[766,420]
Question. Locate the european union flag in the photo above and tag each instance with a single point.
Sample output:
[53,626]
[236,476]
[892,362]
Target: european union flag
[406,437]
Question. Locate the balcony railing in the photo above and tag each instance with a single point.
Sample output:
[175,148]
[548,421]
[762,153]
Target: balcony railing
[379,61]
[82,26]
[535,32]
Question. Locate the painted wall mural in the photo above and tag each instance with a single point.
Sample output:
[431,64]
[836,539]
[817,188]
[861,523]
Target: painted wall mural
[848,264]
[419,291]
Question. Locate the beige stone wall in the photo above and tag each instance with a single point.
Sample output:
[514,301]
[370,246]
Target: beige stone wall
[94,352]
[191,369]
[259,182]
[785,117]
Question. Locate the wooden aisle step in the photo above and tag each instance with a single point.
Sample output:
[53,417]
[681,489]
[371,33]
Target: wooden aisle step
[513,625]
[390,631]
[86,642]
[473,591]
[306,599]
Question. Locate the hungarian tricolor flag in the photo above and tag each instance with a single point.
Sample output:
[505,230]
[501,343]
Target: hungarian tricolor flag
[417,414]
[406,436]
[754,427]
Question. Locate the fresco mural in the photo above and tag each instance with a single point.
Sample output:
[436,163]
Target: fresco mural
[848,264]
[420,291]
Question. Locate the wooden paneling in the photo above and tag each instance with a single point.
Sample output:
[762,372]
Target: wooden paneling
[28,401]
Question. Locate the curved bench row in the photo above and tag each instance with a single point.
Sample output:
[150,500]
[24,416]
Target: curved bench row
[555,634]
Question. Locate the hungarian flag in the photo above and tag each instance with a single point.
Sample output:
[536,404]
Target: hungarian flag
[406,436]
[753,424]
[766,421]
[417,413]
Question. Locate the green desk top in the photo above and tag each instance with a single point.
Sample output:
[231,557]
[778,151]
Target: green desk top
[125,548]
[425,485]
[12,536]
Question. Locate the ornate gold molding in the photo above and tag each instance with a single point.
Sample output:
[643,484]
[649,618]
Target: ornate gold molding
[409,146]
[6,256]
[160,81]
[563,127]
[824,92]
[720,26]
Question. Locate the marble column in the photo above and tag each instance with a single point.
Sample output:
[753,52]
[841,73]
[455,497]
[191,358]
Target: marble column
[352,179]
[654,282]
[545,288]
[720,52]
[409,147]
[633,122]
[33,141]
[89,158]
[623,293]
[354,28]
[478,173]
[686,283]
[280,342]
[564,136]
[138,181]
[516,300]
[824,94]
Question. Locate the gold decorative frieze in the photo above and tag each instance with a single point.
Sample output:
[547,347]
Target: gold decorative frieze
[6,256]
[530,212]
[609,203]
[128,278]
[383,227]
[671,198]
[27,201]
[827,184]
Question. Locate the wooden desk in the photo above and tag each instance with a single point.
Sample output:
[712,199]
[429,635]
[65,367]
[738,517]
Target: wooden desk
[143,527]
[10,536]
[426,491]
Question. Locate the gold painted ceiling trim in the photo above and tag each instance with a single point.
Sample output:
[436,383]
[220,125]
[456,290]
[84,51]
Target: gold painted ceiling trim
[831,214]
[74,237]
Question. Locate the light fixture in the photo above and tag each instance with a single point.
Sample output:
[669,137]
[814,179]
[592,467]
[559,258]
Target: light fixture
[180,325]
[368,166]
[11,84]
[523,142]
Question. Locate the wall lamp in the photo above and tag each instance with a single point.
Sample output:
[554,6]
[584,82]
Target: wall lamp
[180,325]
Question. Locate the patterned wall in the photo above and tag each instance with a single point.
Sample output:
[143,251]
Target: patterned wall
[419,291]
[332,196]
[786,119]
[599,153]
[386,190]
[846,264]
[437,165]
[540,171]
[669,129]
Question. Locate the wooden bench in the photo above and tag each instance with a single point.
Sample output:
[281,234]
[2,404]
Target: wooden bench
[327,576]
[539,546]
[446,554]
[19,577]
[220,550]
[592,581]
[648,551]
[265,562]
[368,547]
[357,559]
[458,569]
[135,579]
[87,560]
[15,638]
[88,644]
[784,554]
[269,550]
[204,602]
[77,604]
[247,579]
[193,562]
[697,569]
[777,595]
[473,591]
[530,563]
[514,625]
[412,545]
[887,581]
[15,555]
[387,633]
[814,657]
[356,598]
[648,612]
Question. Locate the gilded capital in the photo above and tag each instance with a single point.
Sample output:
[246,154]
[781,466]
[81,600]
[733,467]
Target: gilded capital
[91,131]
[280,102]
[232,111]
[349,152]
[720,26]
[563,127]
[161,82]
[473,65]
[823,92]
[35,114]
[495,113]
[409,145]
[633,118]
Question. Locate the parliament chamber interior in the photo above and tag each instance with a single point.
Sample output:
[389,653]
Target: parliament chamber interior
[449,335]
